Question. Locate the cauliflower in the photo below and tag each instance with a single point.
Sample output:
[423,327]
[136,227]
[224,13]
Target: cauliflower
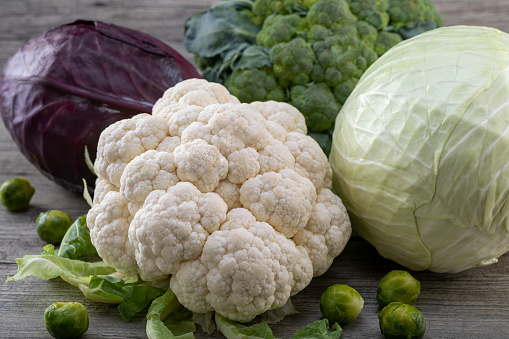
[230,201]
[310,53]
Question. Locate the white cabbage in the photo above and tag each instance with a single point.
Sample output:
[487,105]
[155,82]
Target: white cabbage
[421,150]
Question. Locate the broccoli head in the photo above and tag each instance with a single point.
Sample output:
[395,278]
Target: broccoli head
[293,62]
[372,12]
[313,52]
[317,104]
[250,85]
[262,9]
[280,28]
[411,12]
[385,41]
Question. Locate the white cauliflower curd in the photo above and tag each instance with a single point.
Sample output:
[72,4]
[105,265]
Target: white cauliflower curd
[232,201]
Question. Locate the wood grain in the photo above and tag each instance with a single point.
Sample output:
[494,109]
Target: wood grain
[471,304]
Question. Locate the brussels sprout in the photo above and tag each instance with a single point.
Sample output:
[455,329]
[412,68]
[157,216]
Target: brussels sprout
[400,320]
[66,320]
[341,303]
[16,193]
[52,225]
[398,286]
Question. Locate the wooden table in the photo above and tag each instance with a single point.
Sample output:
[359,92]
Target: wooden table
[472,304]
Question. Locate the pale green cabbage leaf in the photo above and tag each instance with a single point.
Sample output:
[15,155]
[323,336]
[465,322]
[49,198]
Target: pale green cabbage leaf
[421,150]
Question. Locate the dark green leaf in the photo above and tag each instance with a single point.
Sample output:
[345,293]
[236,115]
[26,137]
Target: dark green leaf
[319,330]
[417,28]
[233,330]
[278,314]
[104,288]
[136,298]
[180,321]
[218,30]
[323,139]
[168,319]
[237,4]
[252,57]
[298,9]
[76,242]
[231,57]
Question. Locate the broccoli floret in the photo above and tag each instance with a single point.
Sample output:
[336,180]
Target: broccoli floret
[329,13]
[366,33]
[373,12]
[291,6]
[279,28]
[344,57]
[411,12]
[263,8]
[293,62]
[250,85]
[317,104]
[385,41]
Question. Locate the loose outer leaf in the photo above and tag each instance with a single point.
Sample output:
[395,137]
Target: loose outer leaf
[76,242]
[48,266]
[179,324]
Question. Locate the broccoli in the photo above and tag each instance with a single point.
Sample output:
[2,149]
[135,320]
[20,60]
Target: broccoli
[410,12]
[310,53]
[317,104]
[293,62]
[250,85]
[280,28]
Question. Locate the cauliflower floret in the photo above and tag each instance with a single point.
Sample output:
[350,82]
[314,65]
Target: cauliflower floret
[172,227]
[122,141]
[246,267]
[230,193]
[168,144]
[284,114]
[235,127]
[326,232]
[310,161]
[146,173]
[283,199]
[179,116]
[109,223]
[231,200]
[198,92]
[275,157]
[200,163]
[243,165]
[102,187]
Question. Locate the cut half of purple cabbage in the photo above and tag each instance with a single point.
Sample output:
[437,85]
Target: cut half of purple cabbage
[62,88]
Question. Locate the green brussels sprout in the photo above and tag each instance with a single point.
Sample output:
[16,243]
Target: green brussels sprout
[341,303]
[401,321]
[66,320]
[400,286]
[52,226]
[16,193]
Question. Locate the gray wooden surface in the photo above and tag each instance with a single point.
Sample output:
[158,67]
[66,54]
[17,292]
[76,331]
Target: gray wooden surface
[472,304]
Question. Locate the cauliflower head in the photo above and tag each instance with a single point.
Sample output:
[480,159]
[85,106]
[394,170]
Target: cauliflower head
[309,53]
[230,201]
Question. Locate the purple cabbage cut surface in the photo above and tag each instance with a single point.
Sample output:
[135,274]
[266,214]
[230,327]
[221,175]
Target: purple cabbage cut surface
[63,87]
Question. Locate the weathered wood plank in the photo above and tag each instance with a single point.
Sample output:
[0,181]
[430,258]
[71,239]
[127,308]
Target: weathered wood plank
[471,304]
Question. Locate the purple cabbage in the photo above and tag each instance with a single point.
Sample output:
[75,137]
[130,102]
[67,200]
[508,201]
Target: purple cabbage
[65,86]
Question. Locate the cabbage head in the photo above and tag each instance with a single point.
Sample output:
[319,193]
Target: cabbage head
[421,150]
